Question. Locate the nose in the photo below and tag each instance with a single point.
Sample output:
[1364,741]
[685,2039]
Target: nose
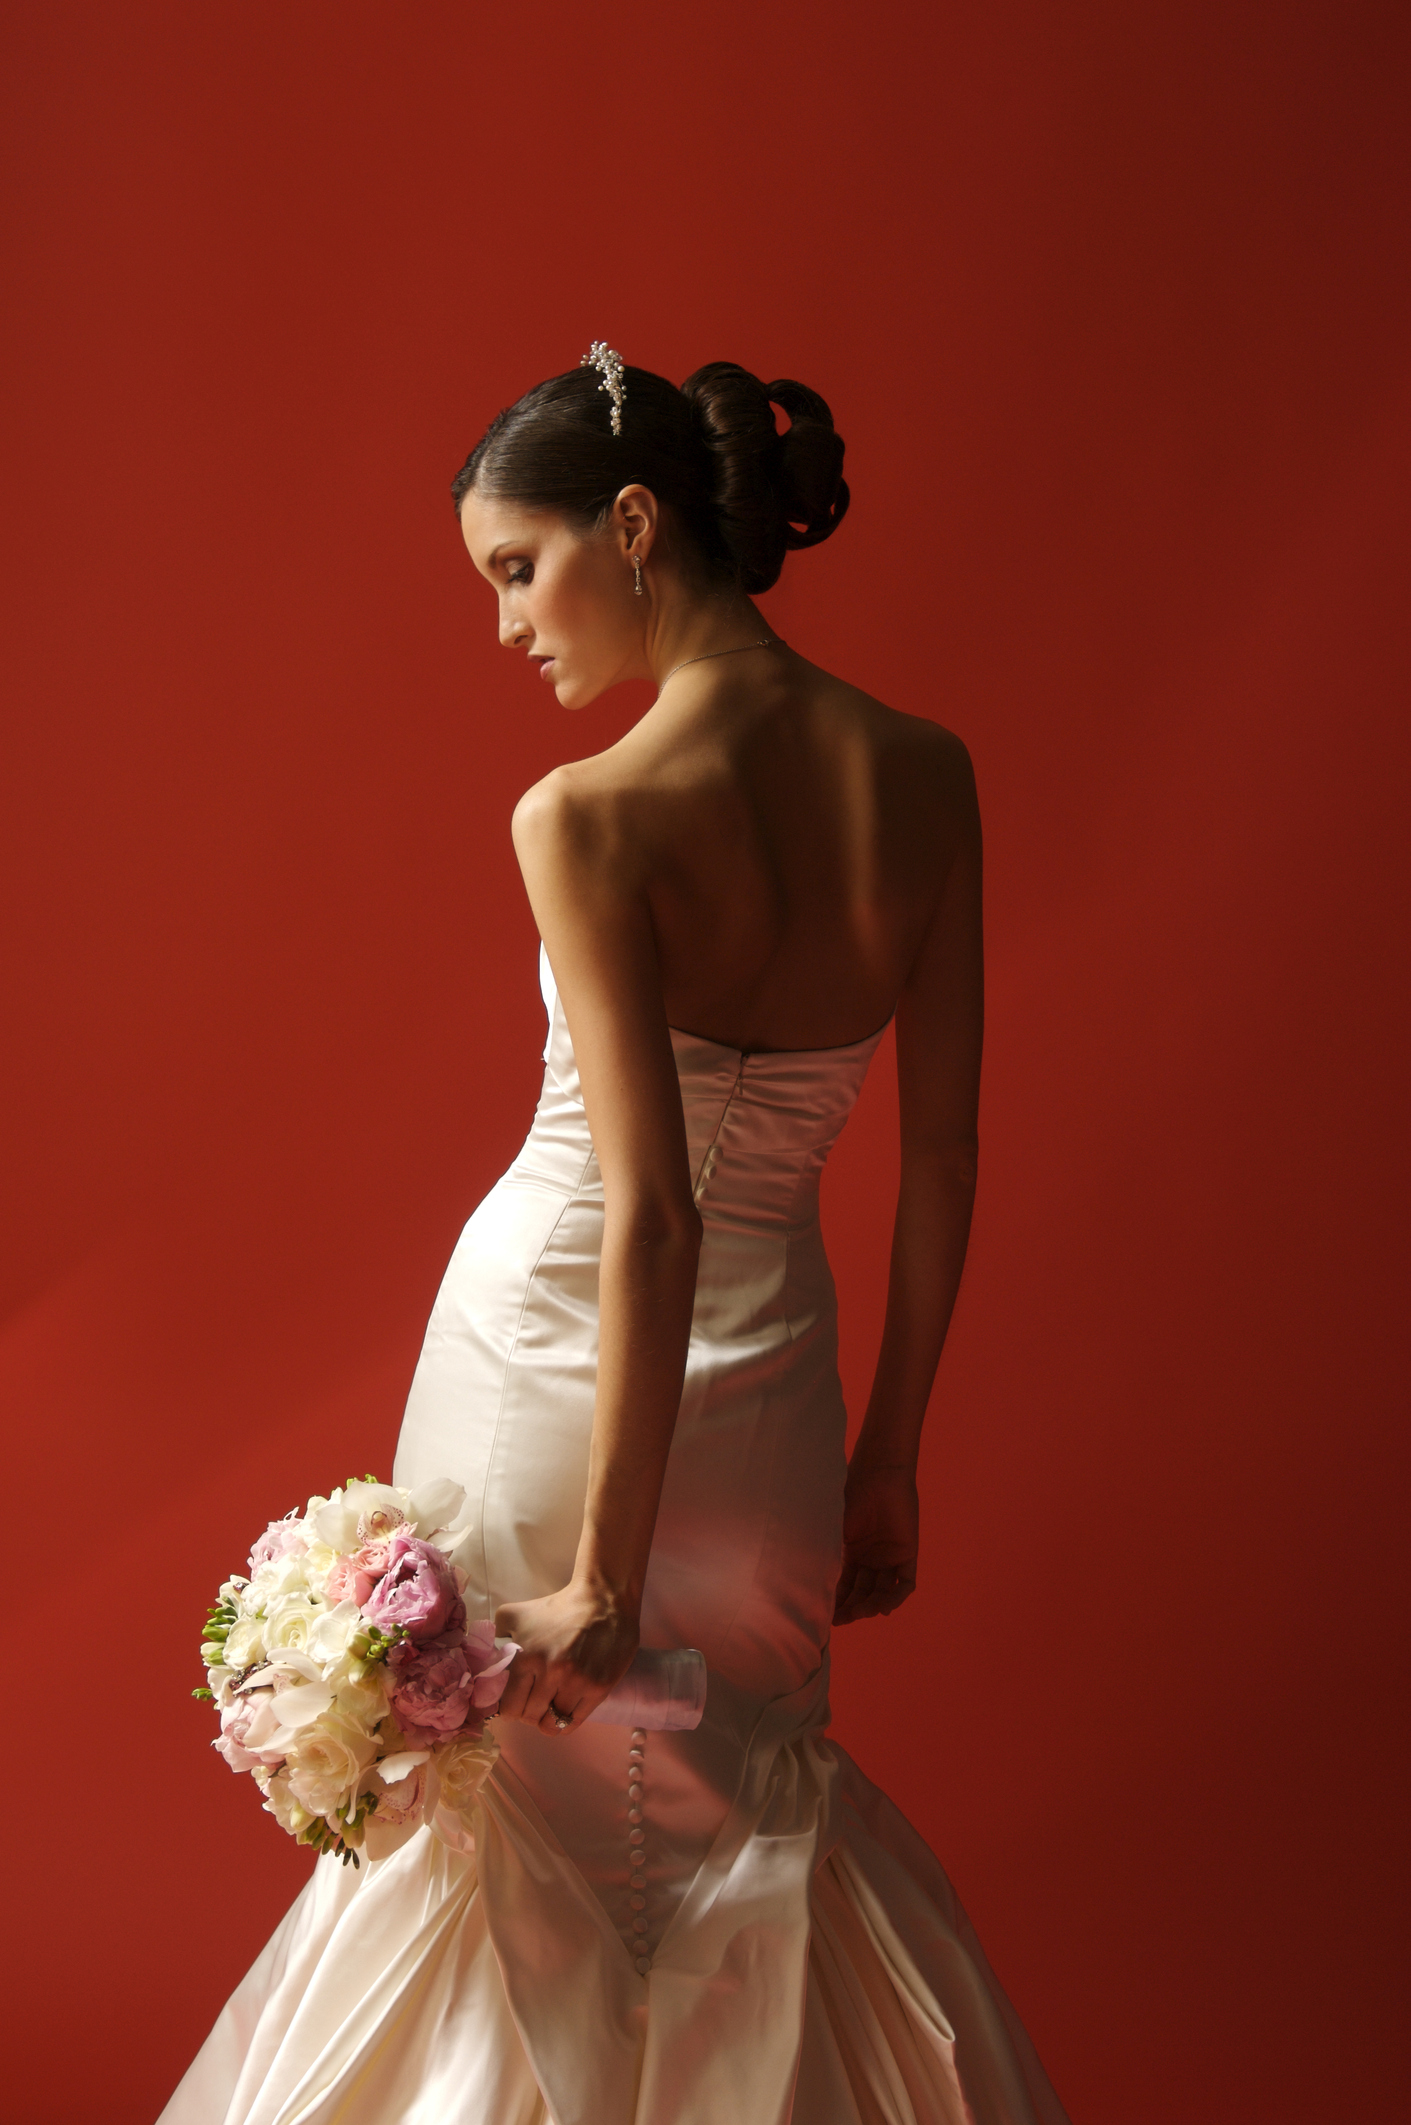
[514,631]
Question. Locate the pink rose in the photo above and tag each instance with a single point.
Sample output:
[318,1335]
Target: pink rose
[278,1539]
[418,1593]
[235,1724]
[353,1578]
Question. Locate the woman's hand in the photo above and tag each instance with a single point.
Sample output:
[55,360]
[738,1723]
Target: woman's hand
[881,1519]
[574,1645]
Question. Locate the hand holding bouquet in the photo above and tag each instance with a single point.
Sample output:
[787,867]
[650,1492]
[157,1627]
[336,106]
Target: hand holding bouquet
[347,1679]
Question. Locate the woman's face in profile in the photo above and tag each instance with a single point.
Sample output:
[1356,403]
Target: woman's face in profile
[565,595]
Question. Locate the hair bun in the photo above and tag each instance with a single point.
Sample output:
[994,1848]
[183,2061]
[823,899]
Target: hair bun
[773,493]
[813,491]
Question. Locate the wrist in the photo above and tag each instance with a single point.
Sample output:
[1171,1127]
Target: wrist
[869,1459]
[610,1593]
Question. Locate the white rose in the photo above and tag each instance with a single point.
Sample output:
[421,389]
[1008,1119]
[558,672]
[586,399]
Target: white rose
[289,1622]
[284,1804]
[318,1561]
[246,1644]
[333,1631]
[282,1575]
[326,1762]
[461,1768]
[361,1693]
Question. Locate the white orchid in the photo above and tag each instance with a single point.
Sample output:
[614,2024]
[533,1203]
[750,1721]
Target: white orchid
[369,1512]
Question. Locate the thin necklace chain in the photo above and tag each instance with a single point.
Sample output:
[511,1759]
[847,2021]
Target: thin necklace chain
[764,642]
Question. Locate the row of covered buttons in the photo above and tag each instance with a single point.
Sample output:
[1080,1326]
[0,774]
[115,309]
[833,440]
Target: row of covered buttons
[636,1854]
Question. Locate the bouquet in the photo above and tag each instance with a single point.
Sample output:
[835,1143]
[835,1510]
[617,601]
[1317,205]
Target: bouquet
[348,1681]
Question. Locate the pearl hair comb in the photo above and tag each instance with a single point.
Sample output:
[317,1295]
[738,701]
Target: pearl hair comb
[601,356]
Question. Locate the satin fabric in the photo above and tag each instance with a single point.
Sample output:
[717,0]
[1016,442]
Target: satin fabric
[762,1939]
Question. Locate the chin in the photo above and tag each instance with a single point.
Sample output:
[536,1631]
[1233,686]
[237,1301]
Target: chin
[576,693]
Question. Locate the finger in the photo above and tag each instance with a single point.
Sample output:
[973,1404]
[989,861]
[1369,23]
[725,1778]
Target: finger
[884,1591]
[538,1699]
[859,1591]
[575,1698]
[842,1600]
[560,1716]
[518,1683]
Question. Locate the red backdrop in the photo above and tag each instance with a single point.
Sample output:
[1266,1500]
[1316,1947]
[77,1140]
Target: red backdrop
[1110,303]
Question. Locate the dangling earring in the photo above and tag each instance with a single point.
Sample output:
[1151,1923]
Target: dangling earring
[637,571]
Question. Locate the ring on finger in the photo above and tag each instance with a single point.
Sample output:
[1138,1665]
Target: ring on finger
[560,1719]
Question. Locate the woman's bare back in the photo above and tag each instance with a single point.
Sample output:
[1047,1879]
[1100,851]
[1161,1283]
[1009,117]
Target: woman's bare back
[792,836]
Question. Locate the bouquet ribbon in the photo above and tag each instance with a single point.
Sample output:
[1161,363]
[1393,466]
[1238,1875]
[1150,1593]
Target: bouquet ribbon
[660,1692]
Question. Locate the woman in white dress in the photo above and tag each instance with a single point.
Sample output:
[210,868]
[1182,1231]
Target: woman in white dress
[631,1364]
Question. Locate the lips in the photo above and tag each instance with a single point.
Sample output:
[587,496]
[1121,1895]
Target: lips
[545,664]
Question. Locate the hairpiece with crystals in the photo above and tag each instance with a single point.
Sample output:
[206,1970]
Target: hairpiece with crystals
[601,356]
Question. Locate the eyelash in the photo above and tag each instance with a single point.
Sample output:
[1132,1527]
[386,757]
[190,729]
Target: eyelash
[523,574]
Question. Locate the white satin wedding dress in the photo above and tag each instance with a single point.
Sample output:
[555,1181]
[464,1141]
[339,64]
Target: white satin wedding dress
[766,1939]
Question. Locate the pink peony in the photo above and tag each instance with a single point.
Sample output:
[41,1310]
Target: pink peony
[418,1593]
[433,1689]
[491,1665]
[448,1686]
[353,1578]
[278,1539]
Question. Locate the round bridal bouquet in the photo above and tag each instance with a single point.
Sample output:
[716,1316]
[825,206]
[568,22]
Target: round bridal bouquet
[348,1681]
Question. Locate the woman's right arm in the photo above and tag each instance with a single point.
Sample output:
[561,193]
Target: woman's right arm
[939,1029]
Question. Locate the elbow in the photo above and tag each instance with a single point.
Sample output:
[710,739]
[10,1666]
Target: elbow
[658,1224]
[953,1165]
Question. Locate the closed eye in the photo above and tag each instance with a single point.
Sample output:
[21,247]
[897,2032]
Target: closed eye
[523,574]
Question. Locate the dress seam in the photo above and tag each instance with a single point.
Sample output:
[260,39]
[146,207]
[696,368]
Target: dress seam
[511,1347]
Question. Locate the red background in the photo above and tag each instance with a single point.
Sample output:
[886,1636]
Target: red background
[1110,303]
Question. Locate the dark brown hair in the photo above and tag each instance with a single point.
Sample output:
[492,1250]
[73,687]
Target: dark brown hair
[742,493]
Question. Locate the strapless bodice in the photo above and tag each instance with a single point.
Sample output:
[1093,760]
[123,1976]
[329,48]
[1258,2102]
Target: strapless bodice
[759,1126]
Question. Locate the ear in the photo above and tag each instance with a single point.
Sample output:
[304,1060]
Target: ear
[635,522]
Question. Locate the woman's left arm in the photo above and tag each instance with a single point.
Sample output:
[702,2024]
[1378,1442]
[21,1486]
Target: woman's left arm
[585,884]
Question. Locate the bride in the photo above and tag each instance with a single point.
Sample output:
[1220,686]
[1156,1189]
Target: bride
[631,1364]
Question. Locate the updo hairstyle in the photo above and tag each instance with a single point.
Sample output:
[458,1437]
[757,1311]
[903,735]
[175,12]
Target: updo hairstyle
[743,494]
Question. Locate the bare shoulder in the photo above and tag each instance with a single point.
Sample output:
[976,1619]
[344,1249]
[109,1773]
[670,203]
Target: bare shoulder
[577,816]
[913,750]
